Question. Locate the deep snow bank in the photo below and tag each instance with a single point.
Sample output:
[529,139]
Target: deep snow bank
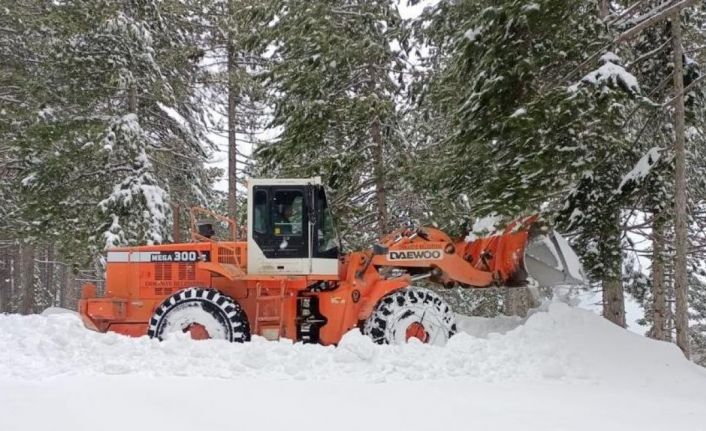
[560,369]
[561,343]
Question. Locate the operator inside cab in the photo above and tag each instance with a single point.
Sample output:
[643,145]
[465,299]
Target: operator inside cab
[293,221]
[288,211]
[283,223]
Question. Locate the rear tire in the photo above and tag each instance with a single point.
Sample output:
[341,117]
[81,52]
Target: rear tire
[203,313]
[413,312]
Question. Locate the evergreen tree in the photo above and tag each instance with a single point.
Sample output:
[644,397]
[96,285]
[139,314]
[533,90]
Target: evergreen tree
[530,128]
[122,103]
[333,81]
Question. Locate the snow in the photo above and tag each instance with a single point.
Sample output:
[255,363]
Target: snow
[518,113]
[553,370]
[410,11]
[183,314]
[592,300]
[484,226]
[472,34]
[531,7]
[29,179]
[610,73]
[173,114]
[50,311]
[483,327]
[642,167]
[610,57]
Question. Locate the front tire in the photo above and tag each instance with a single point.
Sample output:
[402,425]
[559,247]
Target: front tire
[413,312]
[203,314]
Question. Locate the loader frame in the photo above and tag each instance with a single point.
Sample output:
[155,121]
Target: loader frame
[305,307]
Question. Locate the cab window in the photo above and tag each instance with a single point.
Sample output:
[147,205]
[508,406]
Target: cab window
[260,212]
[288,213]
[327,245]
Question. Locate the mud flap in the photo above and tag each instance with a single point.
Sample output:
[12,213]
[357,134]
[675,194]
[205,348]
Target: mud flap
[550,260]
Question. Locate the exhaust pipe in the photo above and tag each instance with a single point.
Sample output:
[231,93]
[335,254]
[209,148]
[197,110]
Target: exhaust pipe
[550,260]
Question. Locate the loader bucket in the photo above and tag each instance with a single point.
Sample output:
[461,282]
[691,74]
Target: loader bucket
[550,260]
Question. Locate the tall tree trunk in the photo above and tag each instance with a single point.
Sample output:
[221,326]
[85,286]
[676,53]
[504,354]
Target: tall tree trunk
[681,286]
[176,223]
[604,8]
[232,143]
[379,174]
[614,300]
[669,314]
[16,290]
[5,279]
[613,297]
[27,256]
[659,294]
[50,274]
[65,287]
[132,99]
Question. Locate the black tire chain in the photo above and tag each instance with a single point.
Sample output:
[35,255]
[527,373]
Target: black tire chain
[376,324]
[230,311]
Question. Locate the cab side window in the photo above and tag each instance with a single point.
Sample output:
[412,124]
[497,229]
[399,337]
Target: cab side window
[260,224]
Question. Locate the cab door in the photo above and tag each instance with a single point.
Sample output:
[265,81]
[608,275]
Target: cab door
[279,240]
[325,242]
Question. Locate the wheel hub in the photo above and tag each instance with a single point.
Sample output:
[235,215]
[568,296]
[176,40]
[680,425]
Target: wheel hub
[416,330]
[197,331]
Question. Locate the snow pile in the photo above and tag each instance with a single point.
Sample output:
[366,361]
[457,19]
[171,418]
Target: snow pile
[50,311]
[553,370]
[560,343]
[483,327]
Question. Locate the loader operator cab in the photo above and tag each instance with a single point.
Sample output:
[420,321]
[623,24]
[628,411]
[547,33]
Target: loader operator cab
[290,228]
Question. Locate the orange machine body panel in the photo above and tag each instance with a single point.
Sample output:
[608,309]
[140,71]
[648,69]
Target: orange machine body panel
[139,279]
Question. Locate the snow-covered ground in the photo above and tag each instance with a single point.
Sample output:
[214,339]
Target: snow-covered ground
[561,369]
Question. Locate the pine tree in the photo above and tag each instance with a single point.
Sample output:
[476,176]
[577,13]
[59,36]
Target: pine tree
[331,78]
[123,76]
[652,62]
[103,126]
[531,127]
[233,63]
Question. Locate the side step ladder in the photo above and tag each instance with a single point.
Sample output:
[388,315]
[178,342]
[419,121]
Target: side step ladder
[269,322]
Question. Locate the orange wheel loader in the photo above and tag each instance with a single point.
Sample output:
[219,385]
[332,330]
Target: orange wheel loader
[289,278]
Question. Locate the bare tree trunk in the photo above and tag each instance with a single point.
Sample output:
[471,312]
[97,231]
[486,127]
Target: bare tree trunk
[604,8]
[659,294]
[232,143]
[379,173]
[50,273]
[132,99]
[681,286]
[614,300]
[16,290]
[27,256]
[5,279]
[613,297]
[65,287]
[669,315]
[176,223]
